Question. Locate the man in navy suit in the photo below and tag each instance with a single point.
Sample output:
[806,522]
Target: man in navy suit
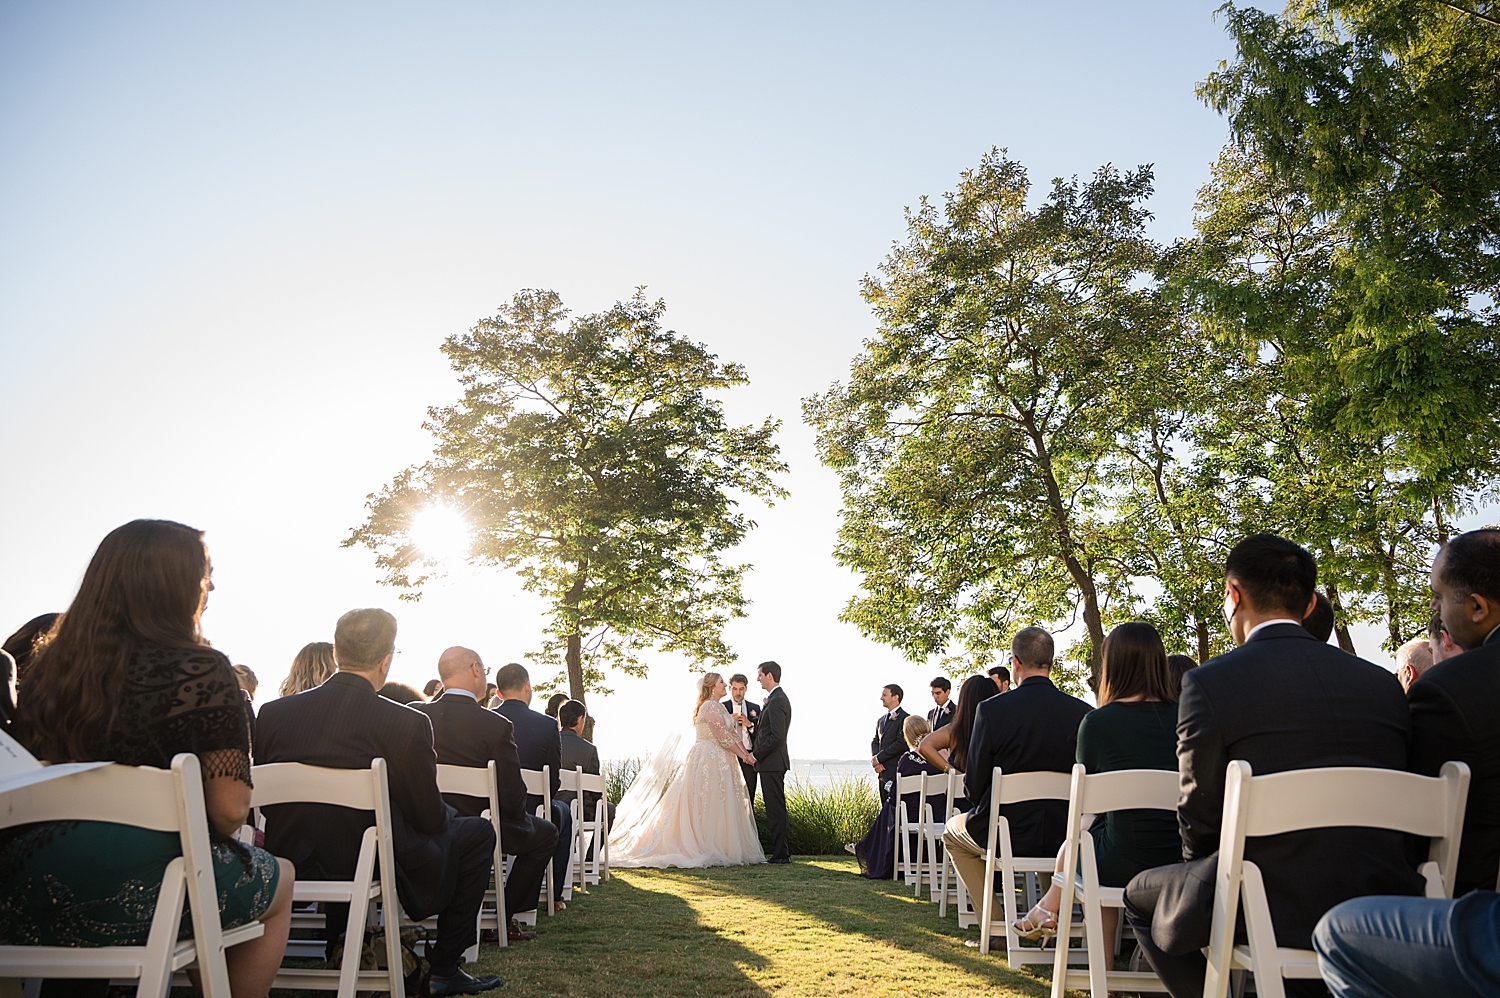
[539,742]
[739,707]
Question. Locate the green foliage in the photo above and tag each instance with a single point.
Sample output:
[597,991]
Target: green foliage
[591,456]
[618,776]
[821,819]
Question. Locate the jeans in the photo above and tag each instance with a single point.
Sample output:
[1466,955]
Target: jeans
[1390,947]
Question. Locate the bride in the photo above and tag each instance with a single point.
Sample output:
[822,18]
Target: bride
[694,814]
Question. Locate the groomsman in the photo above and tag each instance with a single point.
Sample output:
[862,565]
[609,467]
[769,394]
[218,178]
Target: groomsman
[889,744]
[745,715]
[942,693]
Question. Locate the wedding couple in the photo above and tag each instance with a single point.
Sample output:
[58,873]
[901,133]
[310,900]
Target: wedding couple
[697,812]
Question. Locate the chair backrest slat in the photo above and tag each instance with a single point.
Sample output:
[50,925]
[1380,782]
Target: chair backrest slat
[1347,796]
[295,782]
[592,783]
[470,781]
[568,779]
[909,784]
[126,795]
[1017,787]
[1127,789]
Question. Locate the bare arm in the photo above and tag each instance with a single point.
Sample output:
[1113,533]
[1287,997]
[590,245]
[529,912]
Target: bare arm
[718,723]
[934,747]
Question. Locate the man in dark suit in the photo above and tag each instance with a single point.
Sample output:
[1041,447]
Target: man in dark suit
[539,743]
[1032,728]
[1280,701]
[465,734]
[889,744]
[443,861]
[941,714]
[771,757]
[1455,705]
[579,753]
[739,707]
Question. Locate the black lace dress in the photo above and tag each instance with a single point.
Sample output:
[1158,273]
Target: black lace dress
[92,883]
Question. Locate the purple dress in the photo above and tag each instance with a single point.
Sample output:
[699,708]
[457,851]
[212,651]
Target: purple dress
[876,852]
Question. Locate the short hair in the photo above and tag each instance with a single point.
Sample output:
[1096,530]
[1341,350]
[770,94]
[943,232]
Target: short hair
[246,679]
[1032,646]
[401,693]
[896,691]
[1134,663]
[1275,574]
[1472,564]
[1319,623]
[1435,626]
[363,638]
[571,713]
[771,669]
[914,728]
[942,683]
[511,677]
[999,672]
[738,677]
[1180,666]
[433,685]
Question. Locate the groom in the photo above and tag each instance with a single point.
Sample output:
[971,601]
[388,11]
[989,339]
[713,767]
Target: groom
[768,753]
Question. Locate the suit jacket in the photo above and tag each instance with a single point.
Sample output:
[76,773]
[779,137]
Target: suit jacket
[769,746]
[1455,714]
[465,734]
[1284,701]
[577,752]
[889,744]
[752,711]
[538,739]
[1033,728]
[343,724]
[941,717]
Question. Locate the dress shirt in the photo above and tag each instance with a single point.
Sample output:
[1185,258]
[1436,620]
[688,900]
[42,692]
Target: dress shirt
[462,693]
[1271,623]
[738,707]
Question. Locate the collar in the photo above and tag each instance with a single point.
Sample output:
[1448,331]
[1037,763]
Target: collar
[770,693]
[1033,679]
[892,713]
[1491,636]
[460,693]
[1270,623]
[351,680]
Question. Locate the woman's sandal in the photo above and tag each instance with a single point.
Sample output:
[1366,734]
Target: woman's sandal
[1031,926]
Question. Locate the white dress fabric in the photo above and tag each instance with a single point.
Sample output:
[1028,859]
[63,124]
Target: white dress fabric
[691,815]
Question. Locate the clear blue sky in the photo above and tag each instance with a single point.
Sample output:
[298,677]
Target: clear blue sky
[232,237]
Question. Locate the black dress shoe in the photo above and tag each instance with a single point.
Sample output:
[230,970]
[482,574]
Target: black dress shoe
[781,861]
[461,983]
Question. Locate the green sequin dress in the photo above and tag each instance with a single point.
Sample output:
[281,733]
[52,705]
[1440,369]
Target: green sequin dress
[93,883]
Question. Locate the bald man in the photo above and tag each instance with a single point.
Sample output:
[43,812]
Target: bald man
[1413,659]
[466,734]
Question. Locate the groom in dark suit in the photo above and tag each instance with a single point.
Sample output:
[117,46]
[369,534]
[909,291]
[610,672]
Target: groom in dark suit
[769,754]
[738,706]
[889,744]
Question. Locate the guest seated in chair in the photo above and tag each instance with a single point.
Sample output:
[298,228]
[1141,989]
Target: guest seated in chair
[443,861]
[126,676]
[539,742]
[1281,701]
[579,753]
[465,734]
[876,852]
[1134,727]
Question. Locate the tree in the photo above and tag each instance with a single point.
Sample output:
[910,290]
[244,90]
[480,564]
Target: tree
[973,435]
[589,456]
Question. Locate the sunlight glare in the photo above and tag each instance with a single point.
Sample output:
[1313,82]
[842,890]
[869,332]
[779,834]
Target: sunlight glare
[441,533]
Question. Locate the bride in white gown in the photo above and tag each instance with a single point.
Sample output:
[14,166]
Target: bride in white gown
[695,814]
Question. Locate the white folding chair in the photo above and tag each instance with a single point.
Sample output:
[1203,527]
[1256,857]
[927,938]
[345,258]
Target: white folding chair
[589,831]
[362,790]
[1015,788]
[471,781]
[164,800]
[1335,797]
[936,788]
[1098,794]
[905,866]
[539,784]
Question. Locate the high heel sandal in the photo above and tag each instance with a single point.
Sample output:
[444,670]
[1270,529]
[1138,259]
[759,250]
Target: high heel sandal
[1029,926]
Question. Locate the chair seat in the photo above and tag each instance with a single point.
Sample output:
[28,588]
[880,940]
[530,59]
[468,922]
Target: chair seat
[104,961]
[1109,897]
[1120,980]
[330,891]
[1301,964]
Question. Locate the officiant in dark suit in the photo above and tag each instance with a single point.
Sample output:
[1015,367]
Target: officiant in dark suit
[539,743]
[739,706]
[772,760]
[466,734]
[443,861]
[889,744]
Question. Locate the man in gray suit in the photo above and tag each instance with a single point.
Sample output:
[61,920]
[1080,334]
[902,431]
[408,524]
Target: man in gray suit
[578,753]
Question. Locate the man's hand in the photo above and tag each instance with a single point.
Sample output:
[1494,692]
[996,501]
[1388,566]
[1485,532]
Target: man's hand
[742,720]
[750,759]
[878,765]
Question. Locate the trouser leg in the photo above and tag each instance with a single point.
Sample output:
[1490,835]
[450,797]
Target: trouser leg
[562,817]
[1182,969]
[967,855]
[473,846]
[1389,947]
[773,789]
[524,885]
[750,774]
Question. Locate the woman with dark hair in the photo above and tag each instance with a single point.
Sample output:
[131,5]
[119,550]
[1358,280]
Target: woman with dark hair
[876,852]
[1134,727]
[127,677]
[27,641]
[313,664]
[1180,664]
[948,746]
[402,693]
[555,704]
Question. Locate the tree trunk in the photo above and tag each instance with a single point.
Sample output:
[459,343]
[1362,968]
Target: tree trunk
[1201,626]
[574,658]
[1340,627]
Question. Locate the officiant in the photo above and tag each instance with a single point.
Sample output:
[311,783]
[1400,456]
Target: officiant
[745,713]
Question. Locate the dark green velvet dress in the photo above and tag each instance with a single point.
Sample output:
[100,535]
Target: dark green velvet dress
[1131,736]
[93,883]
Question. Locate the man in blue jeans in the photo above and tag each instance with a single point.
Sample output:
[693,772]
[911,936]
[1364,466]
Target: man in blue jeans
[1396,947]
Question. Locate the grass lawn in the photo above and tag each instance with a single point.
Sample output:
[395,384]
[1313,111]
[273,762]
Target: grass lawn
[811,928]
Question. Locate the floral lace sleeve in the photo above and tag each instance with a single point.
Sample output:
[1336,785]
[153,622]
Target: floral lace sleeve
[716,717]
[195,705]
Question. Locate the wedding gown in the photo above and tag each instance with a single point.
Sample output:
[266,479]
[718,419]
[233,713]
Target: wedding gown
[690,815]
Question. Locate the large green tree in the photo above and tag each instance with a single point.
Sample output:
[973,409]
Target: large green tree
[974,434]
[592,456]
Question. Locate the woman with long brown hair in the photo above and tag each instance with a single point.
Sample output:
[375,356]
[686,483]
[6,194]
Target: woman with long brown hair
[313,664]
[126,676]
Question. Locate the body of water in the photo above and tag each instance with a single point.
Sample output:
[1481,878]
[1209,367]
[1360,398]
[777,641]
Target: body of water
[822,772]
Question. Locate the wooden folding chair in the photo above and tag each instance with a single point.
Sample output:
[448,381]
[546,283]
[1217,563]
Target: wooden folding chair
[539,784]
[471,781]
[163,800]
[1335,797]
[1015,788]
[363,790]
[1098,794]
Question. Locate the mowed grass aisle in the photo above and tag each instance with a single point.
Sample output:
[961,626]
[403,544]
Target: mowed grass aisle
[810,928]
